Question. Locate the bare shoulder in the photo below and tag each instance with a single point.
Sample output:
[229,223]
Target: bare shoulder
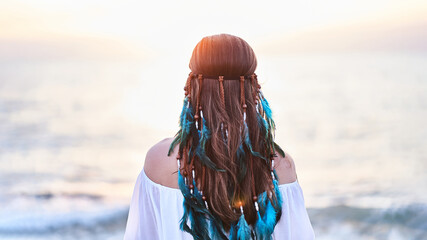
[285,168]
[159,167]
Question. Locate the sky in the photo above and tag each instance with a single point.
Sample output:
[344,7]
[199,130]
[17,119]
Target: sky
[47,29]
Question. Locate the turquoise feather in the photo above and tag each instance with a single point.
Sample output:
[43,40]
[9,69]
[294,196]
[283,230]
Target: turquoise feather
[200,151]
[268,213]
[186,122]
[216,231]
[177,139]
[232,235]
[205,135]
[194,211]
[261,229]
[268,113]
[185,192]
[279,200]
[266,107]
[269,217]
[276,189]
[262,202]
[278,193]
[248,142]
[263,124]
[243,229]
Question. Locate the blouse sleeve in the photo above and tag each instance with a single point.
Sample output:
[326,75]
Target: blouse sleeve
[154,212]
[294,223]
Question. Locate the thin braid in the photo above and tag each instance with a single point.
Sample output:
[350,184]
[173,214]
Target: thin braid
[196,115]
[221,89]
[199,100]
[242,93]
[200,81]
[254,86]
[222,95]
[187,87]
[258,87]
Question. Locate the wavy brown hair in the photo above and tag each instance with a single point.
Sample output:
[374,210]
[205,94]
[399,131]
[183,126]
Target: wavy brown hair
[233,180]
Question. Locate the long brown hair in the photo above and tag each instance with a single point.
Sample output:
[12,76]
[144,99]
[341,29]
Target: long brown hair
[212,87]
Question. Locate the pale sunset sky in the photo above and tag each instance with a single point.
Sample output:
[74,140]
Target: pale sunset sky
[47,29]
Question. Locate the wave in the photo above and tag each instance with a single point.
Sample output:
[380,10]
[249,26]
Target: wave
[334,222]
[406,222]
[27,223]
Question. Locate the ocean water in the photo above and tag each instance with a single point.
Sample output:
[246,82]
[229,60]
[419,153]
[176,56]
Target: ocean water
[73,137]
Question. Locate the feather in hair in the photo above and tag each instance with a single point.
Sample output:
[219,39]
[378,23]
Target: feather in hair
[243,229]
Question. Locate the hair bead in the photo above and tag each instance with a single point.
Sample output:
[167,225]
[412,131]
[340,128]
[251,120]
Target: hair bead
[256,207]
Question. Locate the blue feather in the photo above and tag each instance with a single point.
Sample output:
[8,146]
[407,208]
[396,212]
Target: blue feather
[216,228]
[248,142]
[182,122]
[186,124]
[187,210]
[194,210]
[262,201]
[243,229]
[266,108]
[200,151]
[263,123]
[183,112]
[206,135]
[268,112]
[261,229]
[215,232]
[278,193]
[269,217]
[233,233]
[267,212]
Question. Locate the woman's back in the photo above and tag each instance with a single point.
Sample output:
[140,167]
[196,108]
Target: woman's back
[156,205]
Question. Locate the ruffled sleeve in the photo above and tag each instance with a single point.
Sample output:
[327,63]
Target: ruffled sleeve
[154,212]
[294,223]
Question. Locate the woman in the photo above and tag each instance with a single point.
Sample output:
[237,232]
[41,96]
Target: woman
[222,176]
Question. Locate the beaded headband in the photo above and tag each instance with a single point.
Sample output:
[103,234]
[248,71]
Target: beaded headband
[196,207]
[225,77]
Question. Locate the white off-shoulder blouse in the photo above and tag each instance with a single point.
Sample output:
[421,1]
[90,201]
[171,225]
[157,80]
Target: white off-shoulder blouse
[155,211]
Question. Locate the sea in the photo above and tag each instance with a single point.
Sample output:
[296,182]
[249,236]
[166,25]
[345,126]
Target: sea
[74,134]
